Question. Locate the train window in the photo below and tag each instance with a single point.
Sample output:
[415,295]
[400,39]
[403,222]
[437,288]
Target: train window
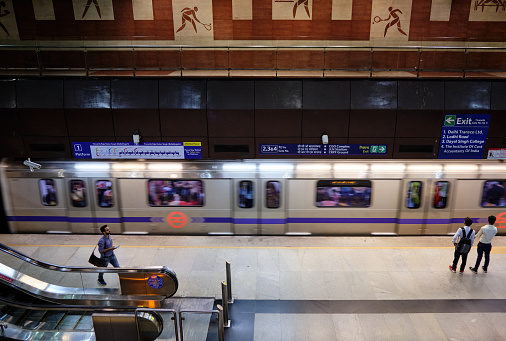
[175,193]
[246,194]
[414,194]
[48,192]
[104,193]
[272,192]
[78,193]
[343,193]
[441,194]
[493,193]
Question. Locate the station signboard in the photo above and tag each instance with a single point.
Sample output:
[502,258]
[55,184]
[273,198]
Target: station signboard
[463,136]
[496,153]
[130,150]
[323,149]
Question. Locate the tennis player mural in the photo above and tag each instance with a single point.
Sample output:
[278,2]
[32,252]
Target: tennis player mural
[8,26]
[193,19]
[93,9]
[390,19]
[292,9]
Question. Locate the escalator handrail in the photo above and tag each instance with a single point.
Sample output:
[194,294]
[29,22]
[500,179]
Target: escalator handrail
[49,266]
[33,306]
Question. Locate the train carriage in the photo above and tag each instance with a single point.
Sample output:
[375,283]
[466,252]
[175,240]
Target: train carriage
[253,197]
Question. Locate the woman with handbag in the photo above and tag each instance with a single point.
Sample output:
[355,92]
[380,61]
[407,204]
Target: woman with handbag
[106,250]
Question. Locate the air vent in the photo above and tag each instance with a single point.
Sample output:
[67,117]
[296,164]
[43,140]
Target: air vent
[413,148]
[47,147]
[231,148]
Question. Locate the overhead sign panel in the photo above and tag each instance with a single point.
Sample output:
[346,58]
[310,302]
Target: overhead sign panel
[130,150]
[496,153]
[463,136]
[323,149]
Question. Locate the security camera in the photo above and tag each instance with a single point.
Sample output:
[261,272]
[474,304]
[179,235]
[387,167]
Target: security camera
[325,139]
[32,165]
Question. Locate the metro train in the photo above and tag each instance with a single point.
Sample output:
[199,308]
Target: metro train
[253,197]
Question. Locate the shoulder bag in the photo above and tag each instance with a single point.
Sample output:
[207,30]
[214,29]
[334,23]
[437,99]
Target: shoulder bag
[95,260]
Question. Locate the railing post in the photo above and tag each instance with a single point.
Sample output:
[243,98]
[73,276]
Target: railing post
[37,53]
[85,51]
[466,53]
[181,59]
[221,329]
[228,61]
[181,326]
[419,62]
[226,321]
[229,283]
[372,62]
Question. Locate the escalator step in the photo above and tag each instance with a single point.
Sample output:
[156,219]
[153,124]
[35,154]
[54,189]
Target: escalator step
[51,321]
[86,323]
[69,322]
[33,320]
[14,315]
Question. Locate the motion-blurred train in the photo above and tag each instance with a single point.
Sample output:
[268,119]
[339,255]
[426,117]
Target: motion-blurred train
[254,197]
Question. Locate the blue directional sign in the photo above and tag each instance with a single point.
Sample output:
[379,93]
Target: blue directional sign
[463,136]
[129,150]
[323,149]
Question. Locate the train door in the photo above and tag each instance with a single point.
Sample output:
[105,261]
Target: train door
[413,207]
[80,213]
[272,211]
[106,205]
[92,204]
[246,205]
[439,201]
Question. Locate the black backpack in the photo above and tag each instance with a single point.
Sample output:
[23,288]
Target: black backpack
[464,245]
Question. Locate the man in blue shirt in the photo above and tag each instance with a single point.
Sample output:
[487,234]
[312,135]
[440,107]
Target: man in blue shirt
[106,250]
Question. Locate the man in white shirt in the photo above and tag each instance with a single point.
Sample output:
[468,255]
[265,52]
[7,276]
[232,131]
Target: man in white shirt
[485,234]
[456,238]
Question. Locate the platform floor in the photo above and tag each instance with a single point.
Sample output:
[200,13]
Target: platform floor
[317,288]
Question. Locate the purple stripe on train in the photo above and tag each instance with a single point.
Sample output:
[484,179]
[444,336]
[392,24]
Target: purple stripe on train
[241,221]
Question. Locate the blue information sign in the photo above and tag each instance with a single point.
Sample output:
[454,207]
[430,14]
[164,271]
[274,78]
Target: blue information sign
[323,149]
[130,150]
[463,136]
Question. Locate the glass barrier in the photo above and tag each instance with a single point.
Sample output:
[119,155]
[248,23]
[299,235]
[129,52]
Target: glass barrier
[199,325]
[326,60]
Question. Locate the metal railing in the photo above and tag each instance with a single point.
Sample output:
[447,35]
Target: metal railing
[235,61]
[219,311]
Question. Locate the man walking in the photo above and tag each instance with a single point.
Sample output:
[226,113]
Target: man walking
[106,250]
[485,234]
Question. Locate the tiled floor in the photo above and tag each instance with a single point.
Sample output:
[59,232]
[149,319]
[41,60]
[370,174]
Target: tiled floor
[317,288]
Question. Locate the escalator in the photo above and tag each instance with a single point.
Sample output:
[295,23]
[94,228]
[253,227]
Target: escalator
[22,319]
[42,301]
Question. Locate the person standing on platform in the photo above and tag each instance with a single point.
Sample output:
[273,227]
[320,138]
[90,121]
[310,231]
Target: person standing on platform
[459,239]
[106,250]
[485,235]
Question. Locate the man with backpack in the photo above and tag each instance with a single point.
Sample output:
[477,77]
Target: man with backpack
[463,241]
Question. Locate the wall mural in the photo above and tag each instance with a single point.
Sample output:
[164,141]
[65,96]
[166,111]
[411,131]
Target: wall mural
[238,21]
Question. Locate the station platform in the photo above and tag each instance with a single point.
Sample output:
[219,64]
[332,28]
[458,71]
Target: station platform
[315,288]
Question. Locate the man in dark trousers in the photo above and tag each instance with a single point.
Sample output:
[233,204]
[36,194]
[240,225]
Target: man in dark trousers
[456,238]
[106,250]
[485,236]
